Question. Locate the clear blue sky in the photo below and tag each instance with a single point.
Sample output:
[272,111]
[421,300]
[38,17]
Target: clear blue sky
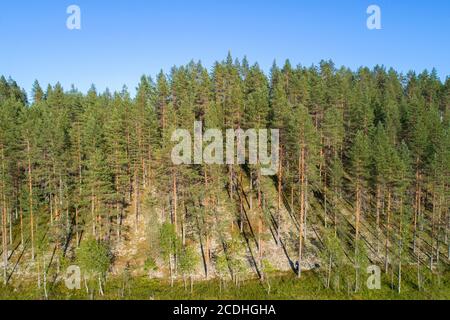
[122,39]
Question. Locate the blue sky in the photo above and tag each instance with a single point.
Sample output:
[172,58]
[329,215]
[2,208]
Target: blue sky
[122,39]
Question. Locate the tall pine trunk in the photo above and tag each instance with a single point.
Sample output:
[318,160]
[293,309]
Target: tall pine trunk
[30,199]
[280,191]
[4,212]
[302,208]
[388,229]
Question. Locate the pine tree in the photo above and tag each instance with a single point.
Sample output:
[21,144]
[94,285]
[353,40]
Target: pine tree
[360,162]
[303,142]
[37,92]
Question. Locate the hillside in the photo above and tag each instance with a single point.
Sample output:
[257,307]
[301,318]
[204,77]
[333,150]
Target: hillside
[363,180]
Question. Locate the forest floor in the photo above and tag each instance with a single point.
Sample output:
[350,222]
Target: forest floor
[282,287]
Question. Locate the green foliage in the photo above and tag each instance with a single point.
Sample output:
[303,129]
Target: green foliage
[169,243]
[94,258]
[222,269]
[360,157]
[189,260]
[150,264]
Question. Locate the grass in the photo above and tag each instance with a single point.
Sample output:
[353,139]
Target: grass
[283,287]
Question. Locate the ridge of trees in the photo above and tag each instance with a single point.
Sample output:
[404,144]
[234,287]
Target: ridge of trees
[74,166]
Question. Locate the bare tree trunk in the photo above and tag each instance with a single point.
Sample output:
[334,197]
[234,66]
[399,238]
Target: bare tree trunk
[76,227]
[378,216]
[22,243]
[183,222]
[93,215]
[306,203]
[400,276]
[335,208]
[388,227]
[433,229]
[325,203]
[100,287]
[250,193]
[10,227]
[419,281]
[5,246]
[329,272]
[207,249]
[86,285]
[171,270]
[39,273]
[358,211]
[357,218]
[4,210]
[292,197]
[45,279]
[30,200]
[417,205]
[280,191]
[400,248]
[241,215]
[175,202]
[231,181]
[137,198]
[260,225]
[302,208]
[439,228]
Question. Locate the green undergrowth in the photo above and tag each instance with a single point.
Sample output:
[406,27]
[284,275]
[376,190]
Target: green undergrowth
[282,287]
